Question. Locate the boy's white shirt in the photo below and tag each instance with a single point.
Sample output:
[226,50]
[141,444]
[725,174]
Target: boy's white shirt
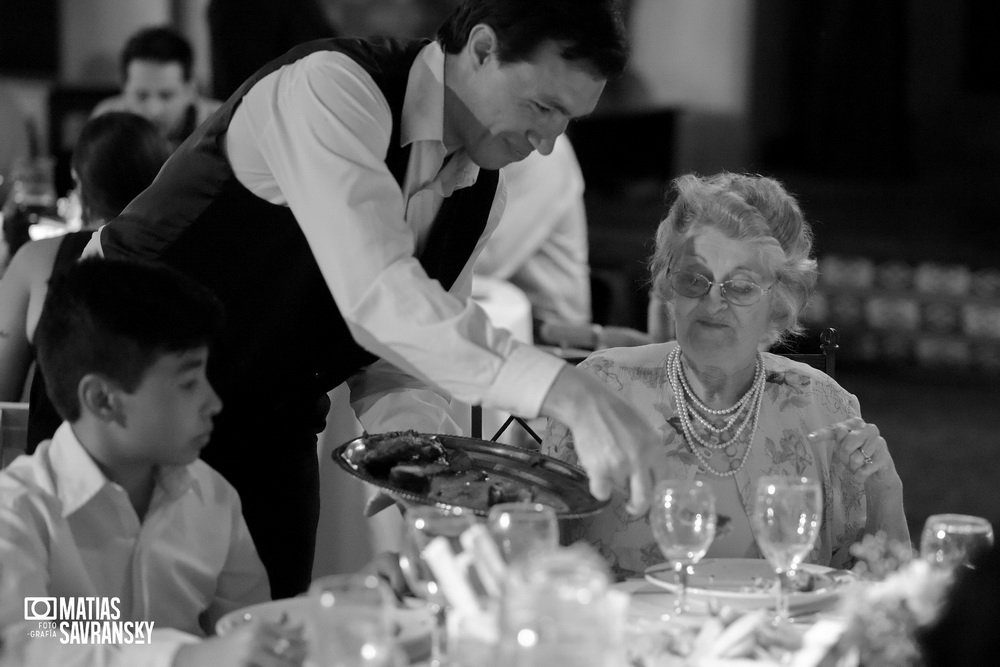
[67,531]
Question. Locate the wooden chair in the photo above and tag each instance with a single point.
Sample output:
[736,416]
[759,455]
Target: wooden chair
[13,431]
[825,360]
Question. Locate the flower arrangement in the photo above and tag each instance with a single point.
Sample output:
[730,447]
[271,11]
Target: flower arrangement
[884,617]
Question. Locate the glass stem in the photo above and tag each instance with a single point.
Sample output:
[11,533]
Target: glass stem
[437,658]
[680,604]
[781,597]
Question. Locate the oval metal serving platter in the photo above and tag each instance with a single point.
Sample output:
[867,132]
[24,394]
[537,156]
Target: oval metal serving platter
[545,474]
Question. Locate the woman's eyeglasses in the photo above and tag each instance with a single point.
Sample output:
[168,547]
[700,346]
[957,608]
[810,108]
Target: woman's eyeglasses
[737,292]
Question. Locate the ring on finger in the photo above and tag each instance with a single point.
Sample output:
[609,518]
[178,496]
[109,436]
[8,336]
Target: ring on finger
[868,459]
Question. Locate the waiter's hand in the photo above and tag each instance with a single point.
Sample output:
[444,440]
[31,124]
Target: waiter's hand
[613,441]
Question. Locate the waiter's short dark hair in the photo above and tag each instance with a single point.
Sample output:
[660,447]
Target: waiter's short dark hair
[161,44]
[117,318]
[591,31]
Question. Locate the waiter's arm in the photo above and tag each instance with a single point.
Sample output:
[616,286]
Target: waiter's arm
[314,135]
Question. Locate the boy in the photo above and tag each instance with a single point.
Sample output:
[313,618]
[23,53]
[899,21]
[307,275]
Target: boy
[115,521]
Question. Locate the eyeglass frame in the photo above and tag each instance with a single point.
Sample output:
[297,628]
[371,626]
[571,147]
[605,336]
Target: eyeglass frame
[723,292]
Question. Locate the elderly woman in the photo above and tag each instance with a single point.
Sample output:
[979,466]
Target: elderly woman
[733,265]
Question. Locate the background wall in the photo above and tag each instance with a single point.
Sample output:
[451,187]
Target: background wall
[697,56]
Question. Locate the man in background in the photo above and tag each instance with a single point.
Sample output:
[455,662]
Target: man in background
[158,84]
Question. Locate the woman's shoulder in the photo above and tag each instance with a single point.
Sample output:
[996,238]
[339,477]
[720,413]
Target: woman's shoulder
[631,369]
[638,357]
[33,261]
[799,378]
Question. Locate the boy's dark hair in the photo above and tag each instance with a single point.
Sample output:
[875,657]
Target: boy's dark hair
[117,156]
[590,31]
[116,318]
[161,44]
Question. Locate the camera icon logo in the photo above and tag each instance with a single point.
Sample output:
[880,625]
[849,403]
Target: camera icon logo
[40,609]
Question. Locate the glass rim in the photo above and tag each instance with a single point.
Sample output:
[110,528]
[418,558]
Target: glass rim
[436,511]
[786,479]
[527,506]
[679,482]
[956,518]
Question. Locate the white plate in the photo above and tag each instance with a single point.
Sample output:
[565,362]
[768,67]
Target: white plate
[748,583]
[414,622]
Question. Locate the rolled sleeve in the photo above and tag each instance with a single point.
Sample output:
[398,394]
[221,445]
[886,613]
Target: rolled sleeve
[524,380]
[314,136]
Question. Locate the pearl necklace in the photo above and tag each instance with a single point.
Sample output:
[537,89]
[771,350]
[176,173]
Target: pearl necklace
[694,404]
[688,404]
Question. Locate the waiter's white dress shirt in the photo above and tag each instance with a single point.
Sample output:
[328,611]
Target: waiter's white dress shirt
[540,244]
[313,135]
[67,531]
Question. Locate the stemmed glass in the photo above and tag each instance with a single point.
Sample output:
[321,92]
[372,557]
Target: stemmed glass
[786,520]
[421,525]
[522,529]
[351,620]
[683,520]
[949,540]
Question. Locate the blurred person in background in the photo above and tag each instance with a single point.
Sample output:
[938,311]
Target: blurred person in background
[14,140]
[15,146]
[115,157]
[158,83]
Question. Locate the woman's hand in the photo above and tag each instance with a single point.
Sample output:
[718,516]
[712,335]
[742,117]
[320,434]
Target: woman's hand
[861,448]
[864,452]
[253,644]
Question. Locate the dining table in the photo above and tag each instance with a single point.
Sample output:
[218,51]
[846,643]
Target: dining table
[651,615]
[649,619]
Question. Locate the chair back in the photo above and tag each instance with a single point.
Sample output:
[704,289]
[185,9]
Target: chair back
[826,359]
[13,431]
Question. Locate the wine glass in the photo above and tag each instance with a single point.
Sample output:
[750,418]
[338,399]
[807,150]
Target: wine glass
[558,609]
[683,520]
[786,520]
[421,525]
[521,529]
[351,620]
[950,540]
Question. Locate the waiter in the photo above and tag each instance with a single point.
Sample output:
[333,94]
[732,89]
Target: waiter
[336,204]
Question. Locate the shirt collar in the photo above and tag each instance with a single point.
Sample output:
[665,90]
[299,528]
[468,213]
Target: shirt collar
[423,119]
[423,104]
[78,479]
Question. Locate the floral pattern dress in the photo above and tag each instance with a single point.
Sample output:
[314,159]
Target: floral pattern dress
[798,399]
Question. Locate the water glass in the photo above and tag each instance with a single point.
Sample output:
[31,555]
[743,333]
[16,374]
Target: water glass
[351,616]
[786,520]
[683,519]
[421,524]
[521,529]
[557,609]
[950,540]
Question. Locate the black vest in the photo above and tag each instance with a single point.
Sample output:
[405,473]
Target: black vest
[285,339]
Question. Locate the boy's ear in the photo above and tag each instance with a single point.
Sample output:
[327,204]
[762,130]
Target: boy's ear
[101,397]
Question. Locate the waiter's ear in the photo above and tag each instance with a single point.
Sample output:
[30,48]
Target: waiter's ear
[482,44]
